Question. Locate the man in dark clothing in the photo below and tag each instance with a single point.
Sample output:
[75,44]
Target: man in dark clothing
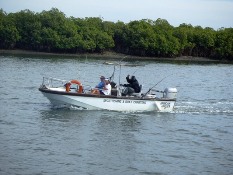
[132,87]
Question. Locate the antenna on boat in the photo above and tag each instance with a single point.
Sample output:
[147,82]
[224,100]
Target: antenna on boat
[119,63]
[120,75]
[120,68]
[112,76]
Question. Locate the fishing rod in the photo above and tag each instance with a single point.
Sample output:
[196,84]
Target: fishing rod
[154,86]
[122,59]
[135,71]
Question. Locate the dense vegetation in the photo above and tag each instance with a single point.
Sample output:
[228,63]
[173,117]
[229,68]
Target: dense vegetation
[52,31]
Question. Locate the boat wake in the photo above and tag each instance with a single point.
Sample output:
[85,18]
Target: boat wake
[77,108]
[69,107]
[201,107]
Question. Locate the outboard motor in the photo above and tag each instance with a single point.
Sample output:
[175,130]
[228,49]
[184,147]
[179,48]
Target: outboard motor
[170,93]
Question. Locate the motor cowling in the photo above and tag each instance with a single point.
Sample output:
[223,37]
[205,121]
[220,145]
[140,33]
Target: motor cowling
[170,93]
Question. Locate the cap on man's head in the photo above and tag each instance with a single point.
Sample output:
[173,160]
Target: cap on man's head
[102,77]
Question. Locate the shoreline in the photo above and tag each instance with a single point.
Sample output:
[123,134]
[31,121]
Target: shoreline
[113,55]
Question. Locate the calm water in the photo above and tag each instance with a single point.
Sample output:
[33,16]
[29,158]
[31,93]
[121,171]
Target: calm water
[36,138]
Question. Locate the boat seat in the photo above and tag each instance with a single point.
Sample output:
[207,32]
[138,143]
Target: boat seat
[139,94]
[114,91]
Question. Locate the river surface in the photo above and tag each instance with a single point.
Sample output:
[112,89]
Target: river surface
[37,138]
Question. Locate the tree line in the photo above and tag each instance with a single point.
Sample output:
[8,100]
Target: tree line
[52,31]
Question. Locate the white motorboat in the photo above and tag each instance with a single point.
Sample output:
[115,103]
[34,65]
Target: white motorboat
[80,96]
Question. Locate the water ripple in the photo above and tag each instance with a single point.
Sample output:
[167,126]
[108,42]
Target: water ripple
[37,138]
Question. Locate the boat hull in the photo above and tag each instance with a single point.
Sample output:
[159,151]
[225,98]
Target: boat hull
[101,102]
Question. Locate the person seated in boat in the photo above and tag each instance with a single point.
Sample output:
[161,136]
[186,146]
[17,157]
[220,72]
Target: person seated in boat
[100,86]
[132,87]
[107,88]
[101,83]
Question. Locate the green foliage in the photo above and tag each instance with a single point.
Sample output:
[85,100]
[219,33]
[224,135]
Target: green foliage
[29,27]
[9,34]
[52,31]
[224,44]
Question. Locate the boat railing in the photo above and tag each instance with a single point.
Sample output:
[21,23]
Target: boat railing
[53,82]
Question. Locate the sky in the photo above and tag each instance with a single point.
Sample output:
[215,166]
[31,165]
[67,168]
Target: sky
[205,13]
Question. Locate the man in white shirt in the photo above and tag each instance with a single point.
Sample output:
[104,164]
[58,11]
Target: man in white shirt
[107,88]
